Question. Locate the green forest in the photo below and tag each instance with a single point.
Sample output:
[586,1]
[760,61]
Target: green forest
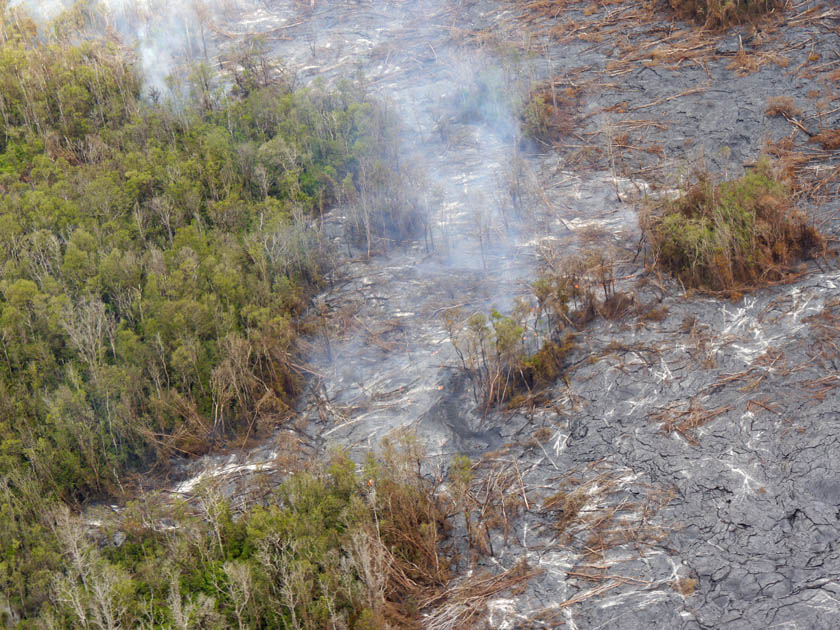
[155,256]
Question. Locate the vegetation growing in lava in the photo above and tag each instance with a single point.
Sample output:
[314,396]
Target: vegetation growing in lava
[731,235]
[509,359]
[154,259]
[722,13]
[550,113]
[506,357]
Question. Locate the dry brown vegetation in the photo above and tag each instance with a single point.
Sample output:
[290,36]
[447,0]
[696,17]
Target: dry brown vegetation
[685,586]
[590,518]
[686,421]
[722,13]
[551,112]
[783,106]
[732,235]
[825,332]
[465,604]
[828,139]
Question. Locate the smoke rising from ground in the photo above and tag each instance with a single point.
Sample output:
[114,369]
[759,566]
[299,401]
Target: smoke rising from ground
[165,35]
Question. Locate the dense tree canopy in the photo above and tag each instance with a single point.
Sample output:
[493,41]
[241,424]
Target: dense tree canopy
[154,257]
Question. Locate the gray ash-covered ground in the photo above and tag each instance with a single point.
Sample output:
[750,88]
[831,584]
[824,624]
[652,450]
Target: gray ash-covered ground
[658,97]
[684,473]
[733,407]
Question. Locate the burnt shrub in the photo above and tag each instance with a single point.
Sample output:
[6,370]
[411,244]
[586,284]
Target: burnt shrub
[731,235]
[723,13]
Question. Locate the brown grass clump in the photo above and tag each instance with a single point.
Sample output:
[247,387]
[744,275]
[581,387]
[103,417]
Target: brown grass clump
[617,305]
[782,106]
[732,235]
[652,313]
[687,421]
[828,139]
[685,586]
[551,113]
[569,505]
[825,331]
[723,13]
[543,435]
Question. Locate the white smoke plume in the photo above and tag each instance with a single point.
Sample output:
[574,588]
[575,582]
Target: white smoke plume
[165,34]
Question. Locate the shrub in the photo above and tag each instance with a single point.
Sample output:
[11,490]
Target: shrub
[782,106]
[722,13]
[507,357]
[732,234]
[828,139]
[550,114]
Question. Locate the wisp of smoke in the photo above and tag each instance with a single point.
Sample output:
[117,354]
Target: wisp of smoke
[164,34]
